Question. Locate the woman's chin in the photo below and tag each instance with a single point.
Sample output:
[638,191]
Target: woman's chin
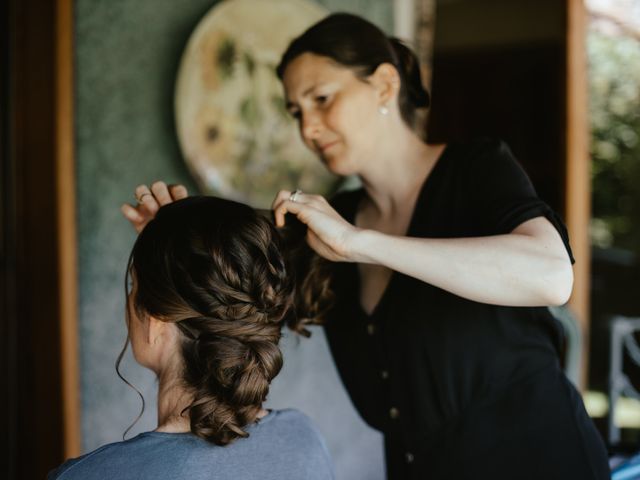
[338,166]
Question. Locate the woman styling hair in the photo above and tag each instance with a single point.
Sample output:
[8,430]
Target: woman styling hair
[210,293]
[441,267]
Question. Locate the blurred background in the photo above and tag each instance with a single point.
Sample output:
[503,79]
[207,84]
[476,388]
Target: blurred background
[88,111]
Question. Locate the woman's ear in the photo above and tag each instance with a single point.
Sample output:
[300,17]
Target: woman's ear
[156,329]
[386,80]
[156,345]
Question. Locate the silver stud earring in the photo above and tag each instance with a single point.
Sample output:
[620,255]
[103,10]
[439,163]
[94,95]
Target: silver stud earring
[383,109]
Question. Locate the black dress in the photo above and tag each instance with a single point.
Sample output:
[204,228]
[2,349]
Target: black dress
[461,389]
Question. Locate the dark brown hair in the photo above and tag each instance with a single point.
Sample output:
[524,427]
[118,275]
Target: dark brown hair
[215,268]
[353,42]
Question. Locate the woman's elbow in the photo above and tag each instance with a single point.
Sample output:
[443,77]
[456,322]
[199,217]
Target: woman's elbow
[559,284]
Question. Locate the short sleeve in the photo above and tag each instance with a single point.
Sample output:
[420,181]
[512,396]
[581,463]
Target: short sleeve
[507,197]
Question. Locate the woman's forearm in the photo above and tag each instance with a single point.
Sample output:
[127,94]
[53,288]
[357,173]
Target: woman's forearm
[516,269]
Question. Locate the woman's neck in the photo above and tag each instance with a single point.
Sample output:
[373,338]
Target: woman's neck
[173,403]
[396,174]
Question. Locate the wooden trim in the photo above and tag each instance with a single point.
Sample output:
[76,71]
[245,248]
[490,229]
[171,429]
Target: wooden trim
[578,178]
[66,221]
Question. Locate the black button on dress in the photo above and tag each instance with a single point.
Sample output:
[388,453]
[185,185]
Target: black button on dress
[471,390]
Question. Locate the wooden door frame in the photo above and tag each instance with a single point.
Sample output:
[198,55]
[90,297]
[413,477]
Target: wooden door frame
[578,168]
[67,232]
[39,254]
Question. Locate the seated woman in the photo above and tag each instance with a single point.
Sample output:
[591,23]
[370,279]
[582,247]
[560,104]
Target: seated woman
[209,295]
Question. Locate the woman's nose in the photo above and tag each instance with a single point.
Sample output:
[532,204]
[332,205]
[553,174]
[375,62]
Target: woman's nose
[311,126]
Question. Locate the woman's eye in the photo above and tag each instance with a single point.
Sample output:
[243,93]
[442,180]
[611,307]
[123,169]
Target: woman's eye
[322,98]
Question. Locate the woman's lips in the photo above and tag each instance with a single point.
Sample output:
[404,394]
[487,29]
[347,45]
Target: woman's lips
[323,148]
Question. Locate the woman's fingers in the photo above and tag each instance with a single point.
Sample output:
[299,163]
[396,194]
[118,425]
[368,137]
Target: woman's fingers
[178,192]
[276,206]
[281,197]
[141,192]
[149,201]
[287,206]
[146,200]
[286,201]
[285,198]
[133,215]
[161,193]
[328,233]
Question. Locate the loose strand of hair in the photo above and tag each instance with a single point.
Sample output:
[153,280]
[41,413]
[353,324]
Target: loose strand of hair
[124,350]
[119,373]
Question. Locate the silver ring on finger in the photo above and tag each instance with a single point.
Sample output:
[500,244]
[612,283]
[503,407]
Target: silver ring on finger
[294,196]
[141,197]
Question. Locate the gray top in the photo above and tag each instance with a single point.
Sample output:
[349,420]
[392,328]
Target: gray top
[282,445]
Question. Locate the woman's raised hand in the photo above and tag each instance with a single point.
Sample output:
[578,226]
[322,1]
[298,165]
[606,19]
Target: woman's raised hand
[149,201]
[328,234]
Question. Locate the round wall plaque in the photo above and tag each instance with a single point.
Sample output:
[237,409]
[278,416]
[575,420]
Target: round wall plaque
[236,136]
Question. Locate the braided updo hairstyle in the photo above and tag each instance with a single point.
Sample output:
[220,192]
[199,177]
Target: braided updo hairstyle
[215,268]
[355,43]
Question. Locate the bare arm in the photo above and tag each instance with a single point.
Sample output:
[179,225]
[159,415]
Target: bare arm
[527,267]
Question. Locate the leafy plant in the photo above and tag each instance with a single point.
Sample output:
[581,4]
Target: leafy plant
[614,90]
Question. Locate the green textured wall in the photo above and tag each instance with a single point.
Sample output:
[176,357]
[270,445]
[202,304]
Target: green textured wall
[127,56]
[127,53]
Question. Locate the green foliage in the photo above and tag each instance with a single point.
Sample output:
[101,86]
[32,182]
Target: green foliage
[614,90]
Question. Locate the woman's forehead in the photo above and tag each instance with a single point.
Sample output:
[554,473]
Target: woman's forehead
[309,67]
[308,70]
